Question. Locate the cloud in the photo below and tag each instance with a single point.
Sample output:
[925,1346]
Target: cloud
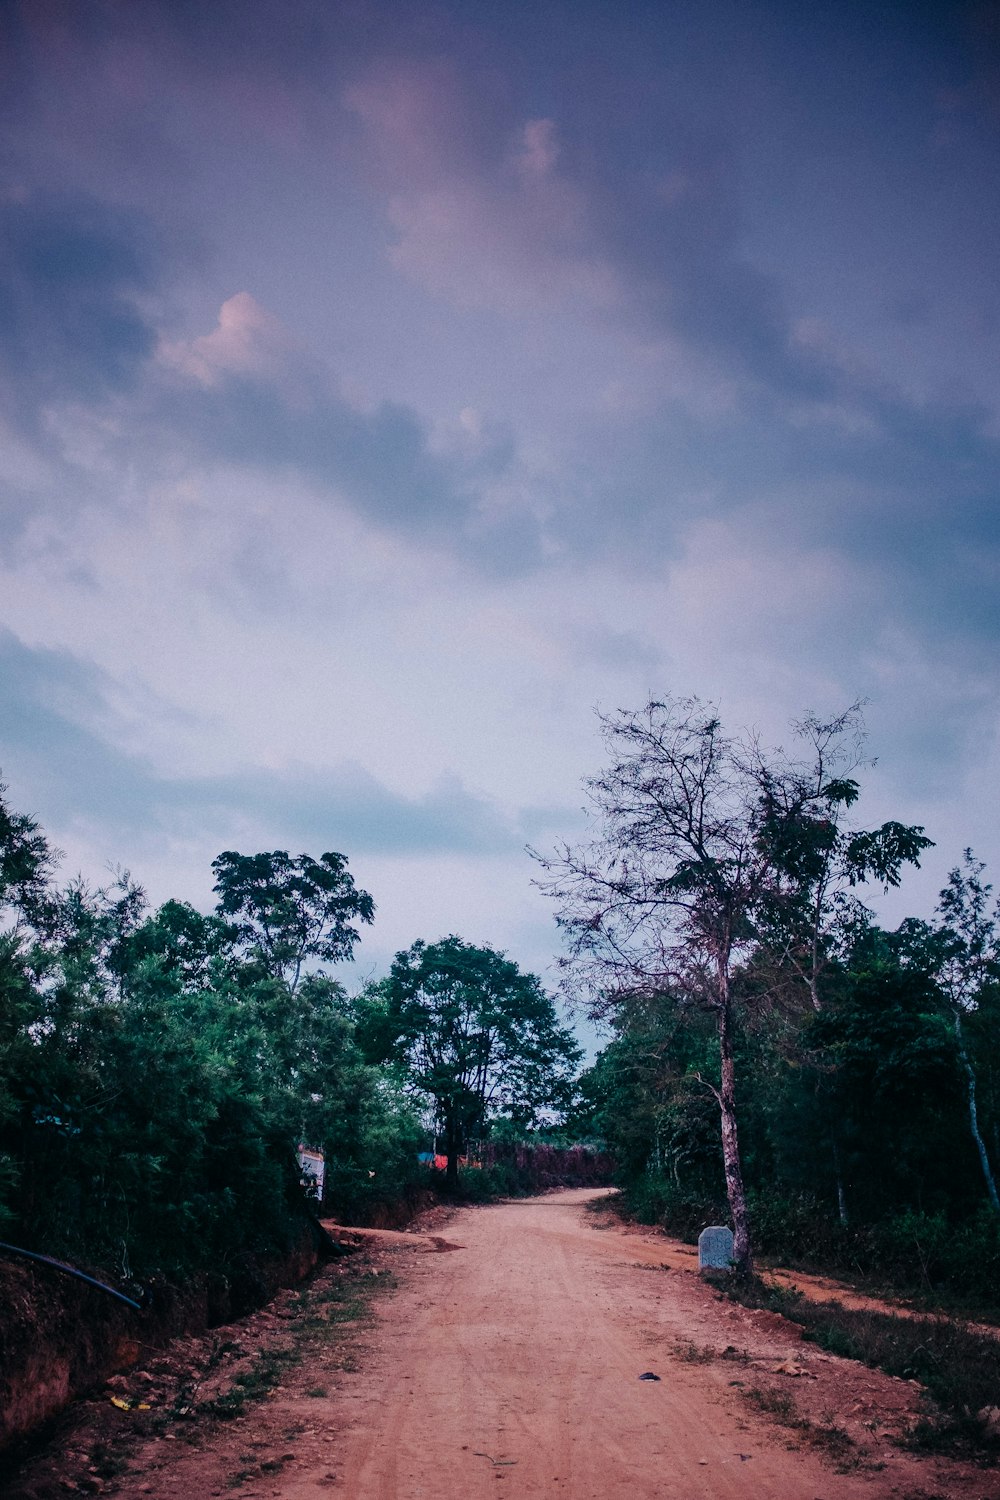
[635,218]
[871,475]
[623,650]
[72,272]
[248,343]
[623,209]
[245,395]
[61,732]
[482,212]
[248,394]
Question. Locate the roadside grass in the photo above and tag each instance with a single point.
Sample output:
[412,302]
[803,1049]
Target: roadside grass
[930,1302]
[320,1312]
[695,1354]
[186,1396]
[250,1385]
[106,1461]
[613,1203]
[832,1441]
[958,1366]
[907,1261]
[706,1354]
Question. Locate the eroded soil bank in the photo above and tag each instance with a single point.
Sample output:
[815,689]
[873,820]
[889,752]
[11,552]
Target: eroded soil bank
[507,1358]
[59,1336]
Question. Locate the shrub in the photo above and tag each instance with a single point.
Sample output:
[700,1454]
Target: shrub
[654,1199]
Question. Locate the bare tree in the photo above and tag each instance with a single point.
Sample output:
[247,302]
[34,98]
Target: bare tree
[662,897]
[708,851]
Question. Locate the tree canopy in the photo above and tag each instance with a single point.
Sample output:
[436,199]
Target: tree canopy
[473,1032]
[286,910]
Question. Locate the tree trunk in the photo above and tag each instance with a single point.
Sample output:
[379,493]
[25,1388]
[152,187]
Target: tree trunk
[451,1147]
[970,1084]
[742,1255]
[839,1177]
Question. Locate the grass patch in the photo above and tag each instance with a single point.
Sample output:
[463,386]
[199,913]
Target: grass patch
[250,1385]
[694,1354]
[958,1366]
[322,1312]
[831,1440]
[611,1203]
[108,1460]
[331,1304]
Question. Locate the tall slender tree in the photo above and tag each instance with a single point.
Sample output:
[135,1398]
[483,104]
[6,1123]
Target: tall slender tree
[706,849]
[662,895]
[969,959]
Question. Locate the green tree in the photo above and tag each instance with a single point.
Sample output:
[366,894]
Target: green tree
[156,1069]
[810,912]
[889,1054]
[471,1031]
[645,1096]
[26,868]
[27,907]
[287,910]
[187,943]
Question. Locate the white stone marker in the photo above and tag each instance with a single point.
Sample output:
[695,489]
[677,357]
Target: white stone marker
[715,1248]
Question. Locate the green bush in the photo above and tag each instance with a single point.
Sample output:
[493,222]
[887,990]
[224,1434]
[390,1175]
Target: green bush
[655,1199]
[911,1252]
[959,1366]
[486,1184]
[516,1169]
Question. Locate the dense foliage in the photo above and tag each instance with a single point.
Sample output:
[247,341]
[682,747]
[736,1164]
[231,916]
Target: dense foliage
[715,865]
[159,1068]
[854,1125]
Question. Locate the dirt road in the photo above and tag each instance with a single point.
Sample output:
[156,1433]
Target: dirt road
[511,1365]
[518,1360]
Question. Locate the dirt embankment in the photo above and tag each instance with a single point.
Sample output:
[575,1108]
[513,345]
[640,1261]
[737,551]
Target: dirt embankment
[542,1354]
[60,1337]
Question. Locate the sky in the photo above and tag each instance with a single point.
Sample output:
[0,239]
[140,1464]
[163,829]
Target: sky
[384,388]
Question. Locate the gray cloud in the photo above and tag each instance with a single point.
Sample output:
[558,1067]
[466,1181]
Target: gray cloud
[660,193]
[70,272]
[74,334]
[697,257]
[380,460]
[659,190]
[621,649]
[57,723]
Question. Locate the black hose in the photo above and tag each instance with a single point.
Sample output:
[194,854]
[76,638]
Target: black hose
[58,1265]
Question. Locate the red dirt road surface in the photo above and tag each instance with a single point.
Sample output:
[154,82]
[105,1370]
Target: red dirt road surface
[514,1366]
[506,1363]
